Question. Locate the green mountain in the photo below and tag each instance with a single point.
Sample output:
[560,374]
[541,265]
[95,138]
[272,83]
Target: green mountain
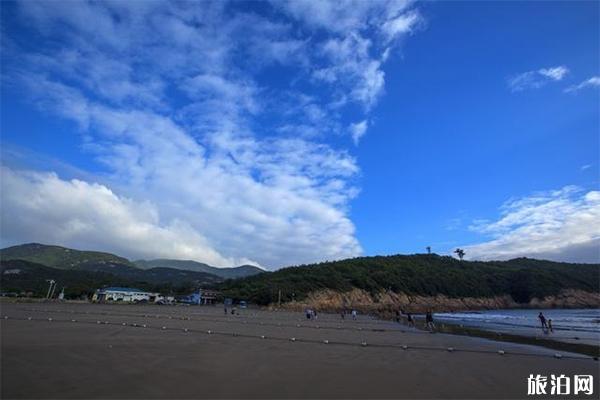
[420,275]
[65,258]
[225,273]
[19,276]
[60,257]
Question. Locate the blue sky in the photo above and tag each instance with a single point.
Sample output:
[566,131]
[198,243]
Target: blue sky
[293,132]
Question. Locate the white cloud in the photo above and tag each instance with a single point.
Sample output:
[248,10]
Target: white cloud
[554,73]
[358,130]
[537,79]
[594,81]
[194,145]
[351,56]
[403,24]
[342,16]
[276,201]
[44,208]
[562,225]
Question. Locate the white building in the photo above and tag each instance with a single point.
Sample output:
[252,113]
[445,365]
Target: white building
[125,294]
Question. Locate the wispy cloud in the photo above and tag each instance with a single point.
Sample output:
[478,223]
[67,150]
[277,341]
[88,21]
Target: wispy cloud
[592,82]
[561,225]
[351,58]
[536,79]
[554,73]
[172,102]
[358,130]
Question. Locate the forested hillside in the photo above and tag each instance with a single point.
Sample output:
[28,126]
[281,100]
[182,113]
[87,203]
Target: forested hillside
[423,275]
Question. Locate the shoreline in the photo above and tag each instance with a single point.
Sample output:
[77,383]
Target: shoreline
[469,331]
[580,348]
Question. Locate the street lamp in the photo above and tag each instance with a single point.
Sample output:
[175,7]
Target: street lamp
[51,288]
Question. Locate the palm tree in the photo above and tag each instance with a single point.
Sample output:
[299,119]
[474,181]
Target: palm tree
[460,253]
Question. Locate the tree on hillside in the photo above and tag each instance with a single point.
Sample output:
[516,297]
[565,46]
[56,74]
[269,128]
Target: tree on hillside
[460,253]
[428,249]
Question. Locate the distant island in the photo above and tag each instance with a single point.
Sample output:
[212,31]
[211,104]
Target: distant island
[381,284]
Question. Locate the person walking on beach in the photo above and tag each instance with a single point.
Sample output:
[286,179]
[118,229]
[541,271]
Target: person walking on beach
[397,316]
[308,313]
[410,320]
[343,314]
[543,321]
[429,321]
[354,315]
[550,326]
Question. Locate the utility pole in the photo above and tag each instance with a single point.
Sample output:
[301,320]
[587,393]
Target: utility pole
[50,288]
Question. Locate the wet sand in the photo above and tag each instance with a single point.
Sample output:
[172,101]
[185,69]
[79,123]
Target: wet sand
[114,359]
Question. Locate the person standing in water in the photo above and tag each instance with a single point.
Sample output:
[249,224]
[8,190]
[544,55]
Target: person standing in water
[429,321]
[543,321]
[550,326]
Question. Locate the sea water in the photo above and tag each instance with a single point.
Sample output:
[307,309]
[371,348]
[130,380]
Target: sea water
[570,325]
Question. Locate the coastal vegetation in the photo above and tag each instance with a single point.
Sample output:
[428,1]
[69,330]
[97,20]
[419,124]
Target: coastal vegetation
[426,275]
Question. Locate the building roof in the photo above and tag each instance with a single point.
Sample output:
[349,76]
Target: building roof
[120,289]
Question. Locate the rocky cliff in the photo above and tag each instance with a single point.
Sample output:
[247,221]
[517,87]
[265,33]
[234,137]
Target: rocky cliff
[388,302]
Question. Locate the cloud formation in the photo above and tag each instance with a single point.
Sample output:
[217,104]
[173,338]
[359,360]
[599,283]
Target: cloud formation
[536,79]
[37,206]
[358,130]
[201,156]
[592,82]
[561,225]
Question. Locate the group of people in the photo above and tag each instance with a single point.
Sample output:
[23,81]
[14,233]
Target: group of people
[410,320]
[354,314]
[233,310]
[310,313]
[546,324]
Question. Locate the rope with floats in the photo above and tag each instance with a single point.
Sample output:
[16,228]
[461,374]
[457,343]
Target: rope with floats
[363,343]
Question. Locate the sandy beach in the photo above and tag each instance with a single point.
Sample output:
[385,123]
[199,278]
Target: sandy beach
[147,351]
